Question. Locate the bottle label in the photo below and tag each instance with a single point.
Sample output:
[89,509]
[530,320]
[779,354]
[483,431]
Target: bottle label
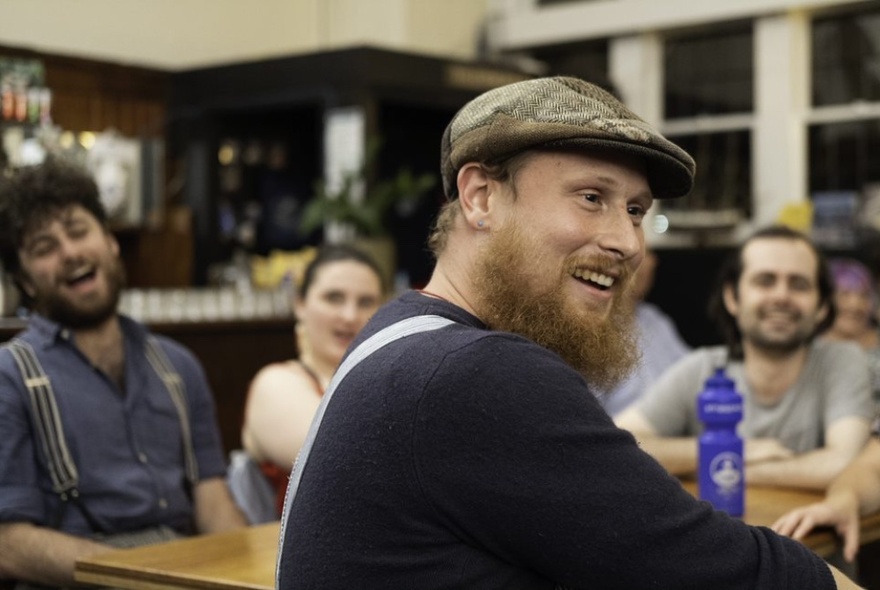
[726,473]
[723,409]
[721,475]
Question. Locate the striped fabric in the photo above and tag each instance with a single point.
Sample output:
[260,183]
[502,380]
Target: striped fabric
[174,384]
[46,420]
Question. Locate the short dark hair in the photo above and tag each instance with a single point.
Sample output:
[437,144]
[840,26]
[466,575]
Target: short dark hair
[335,253]
[32,195]
[732,270]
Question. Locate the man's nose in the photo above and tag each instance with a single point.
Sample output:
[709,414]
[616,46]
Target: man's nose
[620,236]
[780,291]
[68,248]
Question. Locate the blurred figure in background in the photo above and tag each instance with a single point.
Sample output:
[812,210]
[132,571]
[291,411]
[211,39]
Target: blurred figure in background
[108,433]
[807,401]
[856,300]
[340,291]
[659,342]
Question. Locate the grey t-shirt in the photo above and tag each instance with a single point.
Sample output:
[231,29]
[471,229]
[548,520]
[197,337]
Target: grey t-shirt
[835,383]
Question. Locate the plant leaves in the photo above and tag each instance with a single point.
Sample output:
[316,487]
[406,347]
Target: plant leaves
[367,215]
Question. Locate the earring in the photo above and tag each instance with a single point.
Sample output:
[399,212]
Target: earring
[480,224]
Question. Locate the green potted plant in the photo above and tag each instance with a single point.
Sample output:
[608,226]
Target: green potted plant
[358,210]
[366,216]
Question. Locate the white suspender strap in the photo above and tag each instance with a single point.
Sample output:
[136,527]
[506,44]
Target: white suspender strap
[46,419]
[177,390]
[387,335]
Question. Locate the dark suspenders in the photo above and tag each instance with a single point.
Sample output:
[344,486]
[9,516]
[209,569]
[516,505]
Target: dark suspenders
[46,419]
[385,336]
[50,433]
[177,390]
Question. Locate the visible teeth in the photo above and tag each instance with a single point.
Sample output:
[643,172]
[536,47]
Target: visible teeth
[603,280]
[779,316]
[78,275]
[595,277]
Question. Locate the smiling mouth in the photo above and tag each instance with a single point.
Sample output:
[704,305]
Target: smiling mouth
[780,322]
[80,277]
[780,315]
[595,279]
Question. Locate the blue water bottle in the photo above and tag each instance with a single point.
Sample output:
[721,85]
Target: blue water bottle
[720,470]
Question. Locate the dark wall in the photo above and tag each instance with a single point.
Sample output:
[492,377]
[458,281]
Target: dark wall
[407,100]
[684,282]
[411,139]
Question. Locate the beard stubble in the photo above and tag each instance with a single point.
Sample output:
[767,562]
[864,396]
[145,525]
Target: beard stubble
[66,313]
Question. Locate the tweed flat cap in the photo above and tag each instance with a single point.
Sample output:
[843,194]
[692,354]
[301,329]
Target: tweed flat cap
[558,112]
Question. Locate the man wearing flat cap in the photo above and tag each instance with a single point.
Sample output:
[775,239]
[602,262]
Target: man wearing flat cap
[460,444]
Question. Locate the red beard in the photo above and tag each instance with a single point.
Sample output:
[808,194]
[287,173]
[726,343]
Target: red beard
[602,348]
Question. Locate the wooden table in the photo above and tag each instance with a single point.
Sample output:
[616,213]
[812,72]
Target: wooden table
[245,559]
[235,560]
[765,505]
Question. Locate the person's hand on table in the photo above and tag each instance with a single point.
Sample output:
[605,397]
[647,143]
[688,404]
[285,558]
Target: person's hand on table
[840,512]
[758,450]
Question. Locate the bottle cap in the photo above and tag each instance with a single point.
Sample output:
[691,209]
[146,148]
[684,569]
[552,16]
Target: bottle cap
[719,379]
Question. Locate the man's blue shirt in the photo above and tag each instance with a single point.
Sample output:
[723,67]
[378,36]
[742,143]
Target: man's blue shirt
[127,445]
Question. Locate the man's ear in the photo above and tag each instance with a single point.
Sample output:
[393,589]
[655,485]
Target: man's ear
[731,304]
[474,189]
[114,243]
[822,313]
[25,284]
[297,306]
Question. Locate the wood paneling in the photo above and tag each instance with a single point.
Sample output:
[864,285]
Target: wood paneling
[90,95]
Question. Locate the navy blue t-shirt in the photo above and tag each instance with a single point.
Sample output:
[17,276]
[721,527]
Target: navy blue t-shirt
[470,458]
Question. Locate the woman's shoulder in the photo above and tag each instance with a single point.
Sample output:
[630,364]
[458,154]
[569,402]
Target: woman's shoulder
[288,376]
[290,367]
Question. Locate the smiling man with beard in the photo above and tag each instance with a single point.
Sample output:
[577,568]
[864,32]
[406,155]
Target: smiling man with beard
[107,433]
[599,344]
[808,402]
[460,444]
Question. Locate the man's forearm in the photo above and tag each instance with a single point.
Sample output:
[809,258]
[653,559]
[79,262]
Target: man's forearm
[814,470]
[41,555]
[678,455]
[843,582]
[215,509]
[861,479]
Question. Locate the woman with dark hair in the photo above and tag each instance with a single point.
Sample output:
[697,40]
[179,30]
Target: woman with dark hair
[340,290]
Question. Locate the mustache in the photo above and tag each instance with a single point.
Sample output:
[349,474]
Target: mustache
[73,264]
[606,265]
[789,309]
